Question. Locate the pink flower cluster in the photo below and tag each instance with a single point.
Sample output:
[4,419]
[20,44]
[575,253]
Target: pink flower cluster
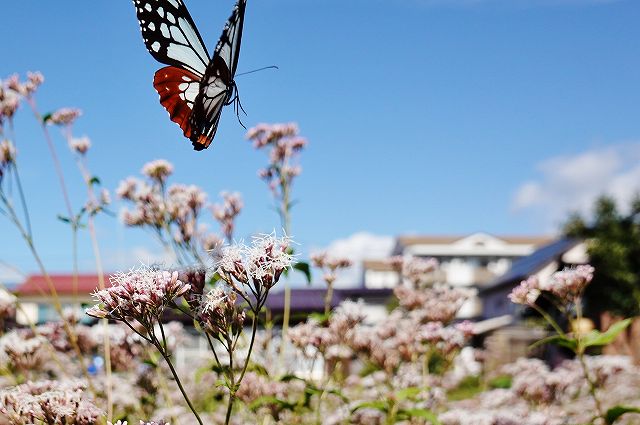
[439,303]
[7,305]
[330,265]
[419,270]
[526,293]
[141,294]
[178,208]
[12,91]
[570,282]
[7,153]
[567,285]
[257,267]
[80,145]
[23,351]
[227,212]
[219,315]
[65,116]
[48,402]
[285,144]
[158,170]
[332,337]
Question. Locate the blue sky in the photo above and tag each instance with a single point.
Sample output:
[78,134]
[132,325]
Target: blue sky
[423,116]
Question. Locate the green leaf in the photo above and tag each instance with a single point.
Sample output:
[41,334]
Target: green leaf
[377,404]
[560,340]
[268,400]
[64,219]
[305,269]
[46,117]
[321,318]
[615,412]
[407,393]
[94,180]
[421,413]
[596,338]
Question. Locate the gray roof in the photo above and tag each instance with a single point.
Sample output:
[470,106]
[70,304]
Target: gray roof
[533,263]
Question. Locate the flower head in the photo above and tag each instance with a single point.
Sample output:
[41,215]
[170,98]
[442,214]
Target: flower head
[219,315]
[7,153]
[227,212]
[65,116]
[158,170]
[526,293]
[141,294]
[260,264]
[80,145]
[569,283]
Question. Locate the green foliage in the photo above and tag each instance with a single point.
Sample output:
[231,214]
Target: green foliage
[594,338]
[305,269]
[502,381]
[396,413]
[467,388]
[597,339]
[614,250]
[559,340]
[616,412]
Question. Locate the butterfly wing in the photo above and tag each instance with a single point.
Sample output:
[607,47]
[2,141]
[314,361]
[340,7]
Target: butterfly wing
[217,85]
[228,47]
[170,34]
[178,89]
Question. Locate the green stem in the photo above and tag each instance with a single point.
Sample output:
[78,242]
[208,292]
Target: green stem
[580,353]
[327,298]
[177,379]
[549,319]
[235,385]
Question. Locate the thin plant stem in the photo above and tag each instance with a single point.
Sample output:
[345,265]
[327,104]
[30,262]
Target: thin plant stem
[23,201]
[52,289]
[235,385]
[72,337]
[177,379]
[54,155]
[327,298]
[213,349]
[101,281]
[232,388]
[549,319]
[254,329]
[580,353]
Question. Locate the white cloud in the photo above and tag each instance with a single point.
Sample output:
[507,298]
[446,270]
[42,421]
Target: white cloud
[358,247]
[572,183]
[10,276]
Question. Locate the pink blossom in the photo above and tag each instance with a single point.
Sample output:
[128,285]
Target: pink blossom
[80,145]
[158,170]
[65,116]
[7,153]
[227,212]
[141,294]
[526,293]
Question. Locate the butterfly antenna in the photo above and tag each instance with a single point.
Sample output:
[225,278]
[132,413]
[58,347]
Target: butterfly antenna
[238,107]
[256,70]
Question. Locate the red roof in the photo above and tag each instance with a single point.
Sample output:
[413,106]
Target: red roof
[64,284]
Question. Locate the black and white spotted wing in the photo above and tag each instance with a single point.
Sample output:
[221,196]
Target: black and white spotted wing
[171,35]
[194,88]
[217,87]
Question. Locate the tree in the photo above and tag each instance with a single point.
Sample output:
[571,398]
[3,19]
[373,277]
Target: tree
[613,241]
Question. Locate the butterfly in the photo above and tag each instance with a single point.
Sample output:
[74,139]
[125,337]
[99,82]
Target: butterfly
[194,87]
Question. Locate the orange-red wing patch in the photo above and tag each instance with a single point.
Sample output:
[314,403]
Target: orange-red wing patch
[178,89]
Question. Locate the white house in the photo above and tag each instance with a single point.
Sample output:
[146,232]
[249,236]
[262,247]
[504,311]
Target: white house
[471,260]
